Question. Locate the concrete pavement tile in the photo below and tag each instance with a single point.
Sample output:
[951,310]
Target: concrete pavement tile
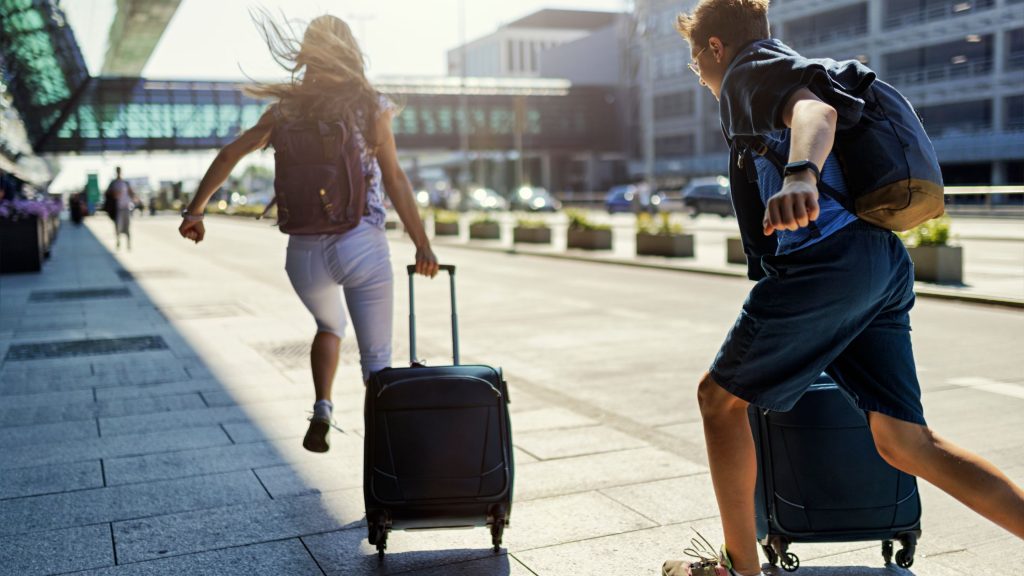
[105,409]
[670,501]
[182,419]
[309,473]
[57,552]
[214,460]
[46,399]
[112,447]
[257,394]
[127,502]
[348,552]
[47,433]
[199,531]
[491,566]
[290,426]
[202,417]
[552,521]
[161,389]
[638,553]
[50,479]
[545,444]
[521,457]
[270,559]
[584,473]
[35,384]
[547,419]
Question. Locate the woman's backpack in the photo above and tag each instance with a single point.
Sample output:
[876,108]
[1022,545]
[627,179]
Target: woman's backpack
[319,185]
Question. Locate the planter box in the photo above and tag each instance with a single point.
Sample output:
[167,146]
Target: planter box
[531,235]
[485,231]
[670,245]
[940,264]
[734,251]
[22,245]
[446,228]
[590,239]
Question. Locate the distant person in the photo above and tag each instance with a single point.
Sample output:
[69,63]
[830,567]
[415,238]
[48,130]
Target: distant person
[152,205]
[833,291]
[329,88]
[119,201]
[77,208]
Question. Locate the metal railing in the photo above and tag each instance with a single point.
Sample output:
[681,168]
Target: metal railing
[944,73]
[829,36]
[1015,60]
[940,12]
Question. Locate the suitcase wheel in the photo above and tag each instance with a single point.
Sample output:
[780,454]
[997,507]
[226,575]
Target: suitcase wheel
[769,553]
[790,562]
[905,556]
[378,535]
[497,529]
[887,548]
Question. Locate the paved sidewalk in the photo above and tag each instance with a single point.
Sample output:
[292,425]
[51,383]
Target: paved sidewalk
[152,405]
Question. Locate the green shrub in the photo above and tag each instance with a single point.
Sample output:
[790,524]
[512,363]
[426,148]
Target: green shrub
[663,226]
[578,221]
[445,216]
[484,218]
[931,233]
[527,222]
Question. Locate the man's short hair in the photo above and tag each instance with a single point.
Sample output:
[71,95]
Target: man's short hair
[734,21]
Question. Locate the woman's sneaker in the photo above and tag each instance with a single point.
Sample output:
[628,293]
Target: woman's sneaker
[316,439]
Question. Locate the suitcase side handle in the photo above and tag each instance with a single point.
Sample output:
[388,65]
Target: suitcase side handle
[450,268]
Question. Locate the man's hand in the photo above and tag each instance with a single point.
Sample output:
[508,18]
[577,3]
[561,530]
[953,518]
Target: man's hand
[794,207]
[193,230]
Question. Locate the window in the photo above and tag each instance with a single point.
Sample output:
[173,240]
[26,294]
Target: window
[682,145]
[674,105]
[1015,113]
[974,116]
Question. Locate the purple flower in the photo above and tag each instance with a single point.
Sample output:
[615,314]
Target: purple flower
[21,208]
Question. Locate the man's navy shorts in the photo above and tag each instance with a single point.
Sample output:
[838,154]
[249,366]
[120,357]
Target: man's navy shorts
[841,306]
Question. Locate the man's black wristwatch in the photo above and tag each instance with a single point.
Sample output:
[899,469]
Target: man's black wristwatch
[794,167]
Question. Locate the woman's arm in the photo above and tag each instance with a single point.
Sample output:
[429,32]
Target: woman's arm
[398,189]
[226,160]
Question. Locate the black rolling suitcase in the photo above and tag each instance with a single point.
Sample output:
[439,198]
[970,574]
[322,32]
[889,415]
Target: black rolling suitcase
[438,446]
[821,479]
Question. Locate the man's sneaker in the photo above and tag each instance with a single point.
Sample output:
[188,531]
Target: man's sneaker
[706,562]
[316,439]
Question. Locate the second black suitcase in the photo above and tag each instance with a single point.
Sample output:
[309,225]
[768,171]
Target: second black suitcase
[438,445]
[821,479]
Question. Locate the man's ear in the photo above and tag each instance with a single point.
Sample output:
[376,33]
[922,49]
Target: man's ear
[717,48]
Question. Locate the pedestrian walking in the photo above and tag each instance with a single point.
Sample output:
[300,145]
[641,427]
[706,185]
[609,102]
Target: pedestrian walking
[833,291]
[118,202]
[335,159]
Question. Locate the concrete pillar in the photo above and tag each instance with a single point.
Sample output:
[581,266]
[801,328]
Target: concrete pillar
[876,23]
[998,173]
[545,172]
[591,173]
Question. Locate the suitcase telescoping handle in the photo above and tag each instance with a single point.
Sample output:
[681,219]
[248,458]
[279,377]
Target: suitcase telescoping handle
[412,313]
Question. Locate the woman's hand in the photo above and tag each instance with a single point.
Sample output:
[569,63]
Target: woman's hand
[193,230]
[426,262]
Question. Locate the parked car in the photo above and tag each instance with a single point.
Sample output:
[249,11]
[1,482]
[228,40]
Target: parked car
[535,199]
[633,198]
[708,196]
[478,198]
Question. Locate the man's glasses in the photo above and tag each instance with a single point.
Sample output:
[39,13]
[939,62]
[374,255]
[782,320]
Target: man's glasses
[693,65]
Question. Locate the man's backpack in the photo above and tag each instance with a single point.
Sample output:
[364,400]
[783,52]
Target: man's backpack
[319,185]
[890,166]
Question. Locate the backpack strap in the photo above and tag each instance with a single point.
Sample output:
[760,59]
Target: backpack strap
[757,145]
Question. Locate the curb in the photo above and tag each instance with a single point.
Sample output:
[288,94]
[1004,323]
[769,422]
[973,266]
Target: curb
[923,290]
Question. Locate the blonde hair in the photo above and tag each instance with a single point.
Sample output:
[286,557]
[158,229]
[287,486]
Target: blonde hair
[734,21]
[328,79]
